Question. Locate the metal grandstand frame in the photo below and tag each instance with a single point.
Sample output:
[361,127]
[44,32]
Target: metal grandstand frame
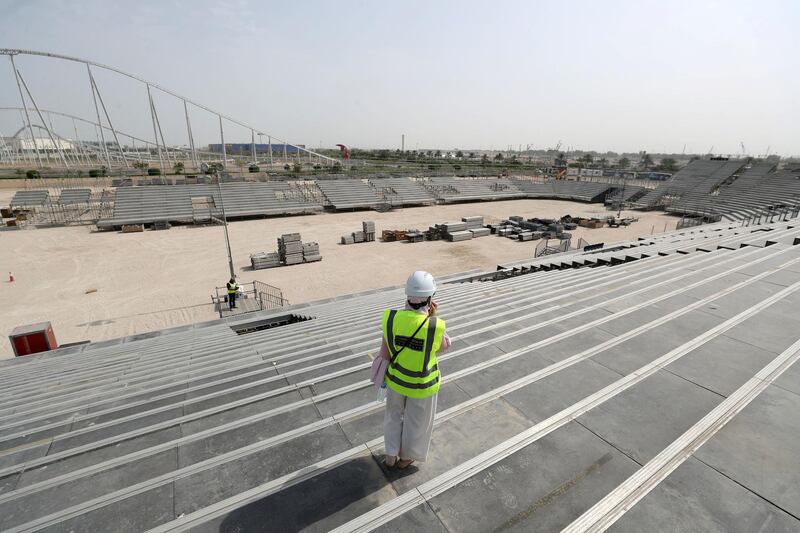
[164,153]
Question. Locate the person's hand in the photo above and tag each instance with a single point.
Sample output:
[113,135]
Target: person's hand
[432,308]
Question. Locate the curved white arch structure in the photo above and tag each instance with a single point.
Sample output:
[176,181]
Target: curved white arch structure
[32,111]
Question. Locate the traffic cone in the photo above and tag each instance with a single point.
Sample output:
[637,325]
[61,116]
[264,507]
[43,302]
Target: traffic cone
[10,277]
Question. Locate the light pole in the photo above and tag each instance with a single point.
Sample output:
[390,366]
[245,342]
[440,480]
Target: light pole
[225,225]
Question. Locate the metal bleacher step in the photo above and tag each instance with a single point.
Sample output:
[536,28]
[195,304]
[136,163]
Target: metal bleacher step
[572,377]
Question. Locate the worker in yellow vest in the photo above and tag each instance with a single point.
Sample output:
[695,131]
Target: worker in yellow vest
[411,339]
[232,288]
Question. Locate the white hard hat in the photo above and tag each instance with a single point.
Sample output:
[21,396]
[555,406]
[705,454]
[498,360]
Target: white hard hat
[420,284]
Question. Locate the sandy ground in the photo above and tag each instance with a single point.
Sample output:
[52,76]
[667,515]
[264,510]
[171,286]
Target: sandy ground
[158,279]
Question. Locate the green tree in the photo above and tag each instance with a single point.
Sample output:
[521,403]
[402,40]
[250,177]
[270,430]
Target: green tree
[624,162]
[460,154]
[178,167]
[668,164]
[297,168]
[438,153]
[484,159]
[587,159]
[498,157]
[647,161]
[471,155]
[561,160]
[603,162]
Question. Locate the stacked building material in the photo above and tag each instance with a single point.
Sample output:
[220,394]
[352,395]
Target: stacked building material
[504,231]
[290,248]
[127,228]
[591,223]
[457,236]
[368,227]
[415,236]
[265,260]
[433,233]
[453,227]
[367,234]
[311,252]
[480,232]
[473,222]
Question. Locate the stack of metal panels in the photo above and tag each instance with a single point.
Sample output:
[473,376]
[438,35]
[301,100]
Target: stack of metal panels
[434,233]
[265,260]
[367,234]
[290,248]
[452,227]
[415,236]
[480,232]
[457,236]
[368,227]
[311,252]
[473,222]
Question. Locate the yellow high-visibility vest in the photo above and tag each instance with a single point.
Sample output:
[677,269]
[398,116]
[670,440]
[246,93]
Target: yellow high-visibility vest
[414,371]
[232,287]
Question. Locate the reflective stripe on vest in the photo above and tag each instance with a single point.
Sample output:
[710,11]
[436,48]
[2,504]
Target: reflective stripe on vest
[414,372]
[232,287]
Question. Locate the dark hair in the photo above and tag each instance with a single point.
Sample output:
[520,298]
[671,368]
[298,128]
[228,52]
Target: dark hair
[419,305]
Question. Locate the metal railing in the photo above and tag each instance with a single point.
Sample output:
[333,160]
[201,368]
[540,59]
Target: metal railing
[265,297]
[269,296]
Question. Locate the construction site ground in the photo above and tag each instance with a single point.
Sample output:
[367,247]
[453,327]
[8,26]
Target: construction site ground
[101,285]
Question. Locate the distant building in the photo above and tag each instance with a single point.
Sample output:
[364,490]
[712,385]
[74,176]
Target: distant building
[43,144]
[247,148]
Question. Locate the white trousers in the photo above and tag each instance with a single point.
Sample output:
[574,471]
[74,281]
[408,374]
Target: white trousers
[408,425]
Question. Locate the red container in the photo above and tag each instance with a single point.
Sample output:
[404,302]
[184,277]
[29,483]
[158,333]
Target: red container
[33,338]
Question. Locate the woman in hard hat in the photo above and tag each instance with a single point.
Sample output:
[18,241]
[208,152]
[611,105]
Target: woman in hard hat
[411,339]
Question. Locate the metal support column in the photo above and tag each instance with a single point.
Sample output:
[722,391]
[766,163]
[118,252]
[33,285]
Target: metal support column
[222,139]
[191,137]
[44,124]
[96,90]
[161,133]
[25,109]
[269,145]
[225,220]
[253,144]
[155,130]
[99,120]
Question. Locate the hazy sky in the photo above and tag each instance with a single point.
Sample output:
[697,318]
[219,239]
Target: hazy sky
[603,75]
